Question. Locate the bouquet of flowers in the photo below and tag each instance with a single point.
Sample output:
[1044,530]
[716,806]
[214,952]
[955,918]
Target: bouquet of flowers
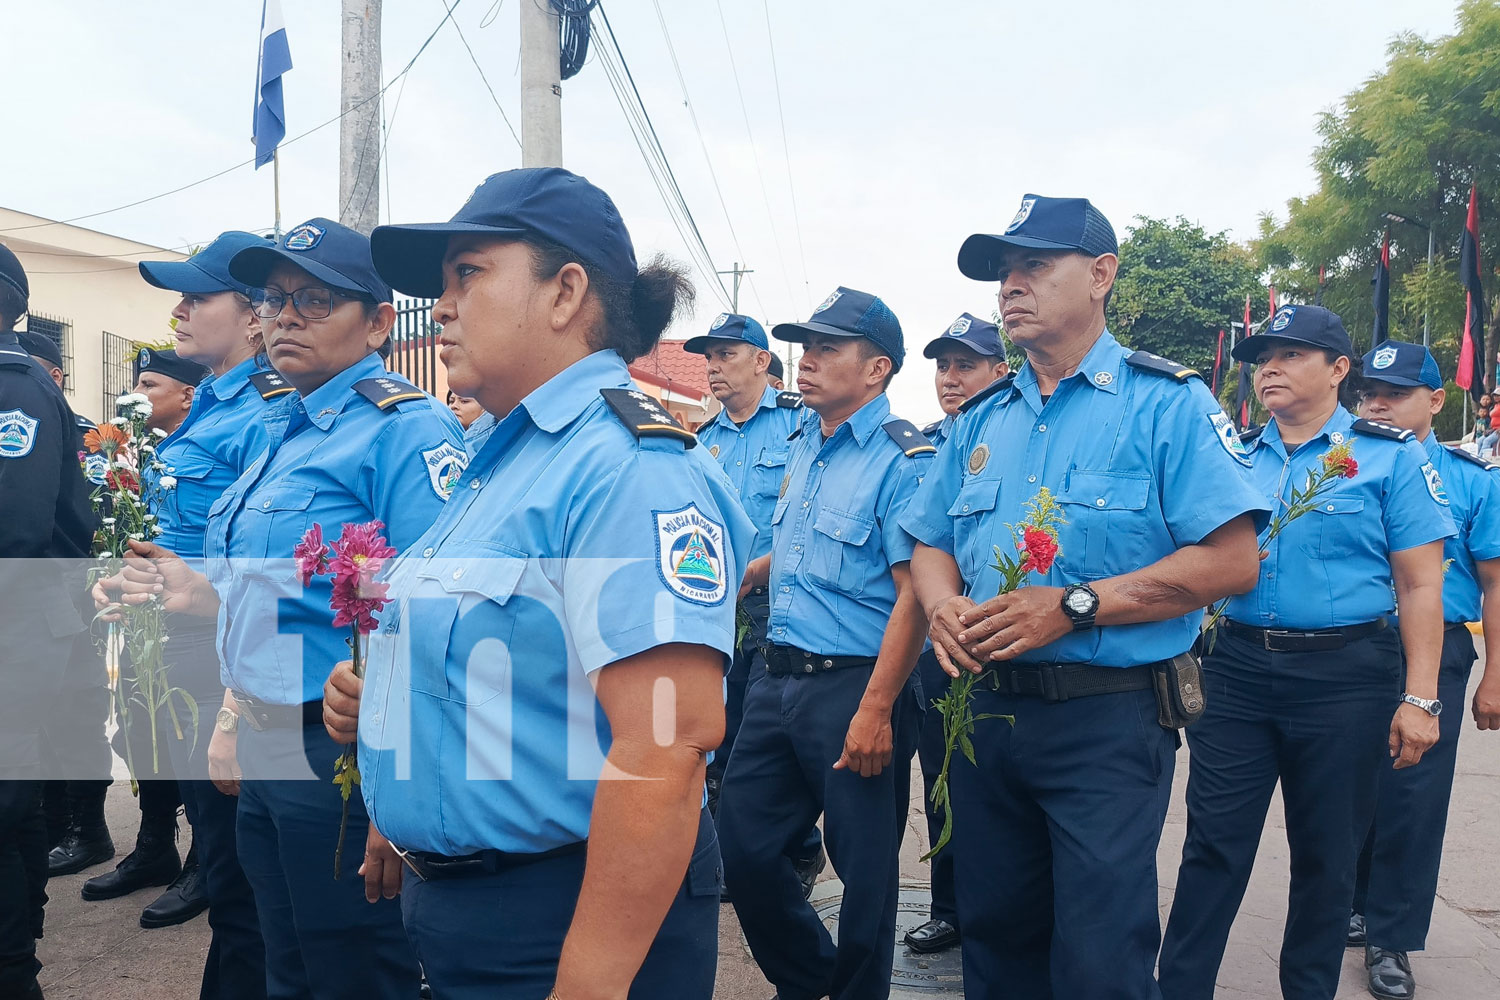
[1036,548]
[353,561]
[117,454]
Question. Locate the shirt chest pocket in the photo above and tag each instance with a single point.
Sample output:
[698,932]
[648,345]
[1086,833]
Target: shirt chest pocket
[186,505]
[1106,512]
[841,556]
[462,625]
[766,476]
[1338,527]
[276,518]
[974,525]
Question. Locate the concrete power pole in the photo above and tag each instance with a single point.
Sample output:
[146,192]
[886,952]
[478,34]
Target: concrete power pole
[541,85]
[359,129]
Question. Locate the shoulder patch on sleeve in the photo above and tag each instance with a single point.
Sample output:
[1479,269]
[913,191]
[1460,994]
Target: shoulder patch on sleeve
[644,418]
[1470,457]
[690,553]
[270,385]
[445,464]
[17,433]
[1224,430]
[386,391]
[1375,428]
[789,400]
[997,386]
[907,437]
[1156,364]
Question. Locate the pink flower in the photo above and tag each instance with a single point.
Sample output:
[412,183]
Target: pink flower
[311,555]
[359,555]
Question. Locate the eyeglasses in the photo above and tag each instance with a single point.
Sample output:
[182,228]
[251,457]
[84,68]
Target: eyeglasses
[312,302]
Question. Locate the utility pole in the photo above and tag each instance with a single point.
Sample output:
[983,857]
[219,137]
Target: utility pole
[541,84]
[359,129]
[738,272]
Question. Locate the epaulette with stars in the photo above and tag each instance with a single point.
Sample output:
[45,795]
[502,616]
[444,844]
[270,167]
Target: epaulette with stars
[1156,364]
[270,385]
[1471,457]
[385,391]
[789,400]
[907,437]
[644,418]
[1375,428]
[999,385]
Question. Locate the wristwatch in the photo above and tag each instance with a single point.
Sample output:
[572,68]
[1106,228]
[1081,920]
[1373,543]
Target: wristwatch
[1080,603]
[1432,706]
[228,720]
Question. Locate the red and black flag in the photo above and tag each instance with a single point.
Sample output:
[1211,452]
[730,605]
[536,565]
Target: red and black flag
[1243,392]
[1470,374]
[1218,363]
[1382,296]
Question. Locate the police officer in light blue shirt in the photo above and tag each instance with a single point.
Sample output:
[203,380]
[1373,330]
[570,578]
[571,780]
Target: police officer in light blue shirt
[565,622]
[1303,677]
[969,355]
[1056,828]
[1398,869]
[832,726]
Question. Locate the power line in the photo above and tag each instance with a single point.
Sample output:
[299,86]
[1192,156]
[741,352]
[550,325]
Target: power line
[693,116]
[475,61]
[787,153]
[242,163]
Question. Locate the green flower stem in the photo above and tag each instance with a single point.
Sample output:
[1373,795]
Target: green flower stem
[346,768]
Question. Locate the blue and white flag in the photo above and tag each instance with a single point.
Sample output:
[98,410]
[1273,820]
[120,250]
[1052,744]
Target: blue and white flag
[269,127]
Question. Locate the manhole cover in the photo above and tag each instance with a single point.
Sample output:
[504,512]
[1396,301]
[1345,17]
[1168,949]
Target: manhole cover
[913,974]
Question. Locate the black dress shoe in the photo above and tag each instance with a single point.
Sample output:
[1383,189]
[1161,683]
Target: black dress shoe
[935,935]
[153,862]
[81,847]
[1356,938]
[808,871]
[1390,974]
[184,899]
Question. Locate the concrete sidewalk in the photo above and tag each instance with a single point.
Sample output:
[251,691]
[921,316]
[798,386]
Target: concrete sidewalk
[97,951]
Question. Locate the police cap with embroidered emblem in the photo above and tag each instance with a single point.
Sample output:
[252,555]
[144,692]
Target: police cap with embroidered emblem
[980,336]
[730,326]
[851,313]
[1041,223]
[1400,363]
[206,271]
[333,254]
[1311,325]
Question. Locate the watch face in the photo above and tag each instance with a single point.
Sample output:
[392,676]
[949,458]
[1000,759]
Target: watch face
[1080,601]
[1437,707]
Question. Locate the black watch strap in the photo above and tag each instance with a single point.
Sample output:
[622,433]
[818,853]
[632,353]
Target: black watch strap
[1083,621]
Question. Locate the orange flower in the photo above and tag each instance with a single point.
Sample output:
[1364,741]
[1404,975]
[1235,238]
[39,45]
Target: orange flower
[106,438]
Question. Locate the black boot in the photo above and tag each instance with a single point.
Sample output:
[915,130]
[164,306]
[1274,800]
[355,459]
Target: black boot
[184,899]
[87,841]
[153,862]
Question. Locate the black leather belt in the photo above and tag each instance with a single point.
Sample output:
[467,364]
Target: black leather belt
[431,867]
[1455,626]
[1291,640]
[1061,681]
[788,661]
[260,716]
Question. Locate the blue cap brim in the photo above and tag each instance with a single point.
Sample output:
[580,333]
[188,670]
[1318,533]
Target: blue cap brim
[410,257]
[183,276]
[934,348]
[1401,380]
[797,333]
[252,264]
[979,257]
[1249,348]
[697,345]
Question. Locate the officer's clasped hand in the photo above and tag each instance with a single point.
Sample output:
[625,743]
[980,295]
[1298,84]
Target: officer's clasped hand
[944,629]
[1010,624]
[152,571]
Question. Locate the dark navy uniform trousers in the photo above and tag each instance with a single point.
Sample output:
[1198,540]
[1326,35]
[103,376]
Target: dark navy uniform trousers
[1319,723]
[934,684]
[779,780]
[1055,833]
[1398,869]
[498,937]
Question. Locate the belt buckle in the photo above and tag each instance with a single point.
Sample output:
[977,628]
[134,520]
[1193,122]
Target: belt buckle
[1051,690]
[1269,634]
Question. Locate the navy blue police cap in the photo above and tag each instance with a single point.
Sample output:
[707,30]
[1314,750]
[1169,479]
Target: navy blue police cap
[206,271]
[1041,223]
[547,203]
[1400,363]
[12,273]
[775,370]
[730,326]
[335,255]
[42,347]
[851,313]
[979,336]
[149,359]
[1311,325]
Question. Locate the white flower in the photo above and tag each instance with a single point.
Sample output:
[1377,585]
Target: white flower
[137,536]
[119,421]
[150,517]
[109,522]
[168,482]
[131,399]
[158,432]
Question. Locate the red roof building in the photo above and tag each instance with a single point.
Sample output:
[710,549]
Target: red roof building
[678,380]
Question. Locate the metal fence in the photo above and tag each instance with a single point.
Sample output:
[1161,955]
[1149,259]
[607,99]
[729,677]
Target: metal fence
[414,346]
[119,374]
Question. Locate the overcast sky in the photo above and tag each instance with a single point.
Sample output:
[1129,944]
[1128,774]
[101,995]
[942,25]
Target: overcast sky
[908,125]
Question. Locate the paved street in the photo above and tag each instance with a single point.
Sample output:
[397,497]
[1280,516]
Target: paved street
[97,951]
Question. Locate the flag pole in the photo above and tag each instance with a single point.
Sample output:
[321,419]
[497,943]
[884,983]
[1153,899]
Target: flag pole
[276,188]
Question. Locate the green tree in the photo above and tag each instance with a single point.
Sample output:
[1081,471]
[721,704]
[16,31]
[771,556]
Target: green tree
[1178,286]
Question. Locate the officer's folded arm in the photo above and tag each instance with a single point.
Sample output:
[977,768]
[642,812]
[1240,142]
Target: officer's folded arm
[1417,574]
[870,741]
[666,713]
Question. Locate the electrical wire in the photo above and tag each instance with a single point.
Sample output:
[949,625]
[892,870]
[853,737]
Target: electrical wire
[243,163]
[787,153]
[475,61]
[574,34]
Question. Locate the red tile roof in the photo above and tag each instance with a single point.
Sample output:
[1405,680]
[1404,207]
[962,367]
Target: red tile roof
[669,363]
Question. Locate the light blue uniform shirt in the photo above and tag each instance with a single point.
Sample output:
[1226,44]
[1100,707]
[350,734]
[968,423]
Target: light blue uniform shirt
[1136,459]
[222,434]
[332,459]
[569,545]
[1332,566]
[837,536]
[1474,495]
[753,456]
[939,432]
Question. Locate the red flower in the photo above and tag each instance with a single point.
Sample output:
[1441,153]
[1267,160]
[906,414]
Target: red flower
[1040,548]
[122,479]
[1348,468]
[311,555]
[359,555]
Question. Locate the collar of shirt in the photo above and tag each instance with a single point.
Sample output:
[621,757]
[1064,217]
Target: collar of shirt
[1338,424]
[1099,368]
[327,401]
[767,399]
[862,423]
[229,385]
[561,399]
